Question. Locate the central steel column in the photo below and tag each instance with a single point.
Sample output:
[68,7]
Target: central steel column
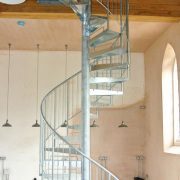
[85,100]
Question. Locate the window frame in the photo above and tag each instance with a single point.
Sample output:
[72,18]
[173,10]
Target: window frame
[171,144]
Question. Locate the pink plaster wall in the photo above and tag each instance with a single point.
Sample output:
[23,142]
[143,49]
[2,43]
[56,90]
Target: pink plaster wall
[159,165]
[120,145]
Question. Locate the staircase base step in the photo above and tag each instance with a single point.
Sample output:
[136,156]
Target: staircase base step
[62,176]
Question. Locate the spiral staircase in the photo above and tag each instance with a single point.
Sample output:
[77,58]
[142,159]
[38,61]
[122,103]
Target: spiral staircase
[61,156]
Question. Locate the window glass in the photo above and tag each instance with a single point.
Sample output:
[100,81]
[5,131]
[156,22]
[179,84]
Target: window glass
[176,104]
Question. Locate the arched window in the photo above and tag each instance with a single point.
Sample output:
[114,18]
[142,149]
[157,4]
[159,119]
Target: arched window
[170,98]
[176,104]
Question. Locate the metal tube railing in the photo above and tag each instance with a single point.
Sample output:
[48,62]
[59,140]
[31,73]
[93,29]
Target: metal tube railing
[60,127]
[79,152]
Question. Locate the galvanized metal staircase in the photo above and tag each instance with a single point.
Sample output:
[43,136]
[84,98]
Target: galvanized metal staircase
[61,156]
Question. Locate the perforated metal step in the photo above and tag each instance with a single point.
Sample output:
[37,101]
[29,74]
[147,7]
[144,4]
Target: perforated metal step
[62,150]
[65,163]
[63,176]
[113,66]
[97,80]
[51,2]
[102,92]
[100,104]
[58,2]
[76,126]
[96,22]
[103,37]
[112,51]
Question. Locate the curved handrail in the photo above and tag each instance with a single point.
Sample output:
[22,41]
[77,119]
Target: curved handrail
[77,150]
[52,138]
[108,10]
[53,130]
[60,85]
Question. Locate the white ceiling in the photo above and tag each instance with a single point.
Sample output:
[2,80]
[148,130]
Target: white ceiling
[54,34]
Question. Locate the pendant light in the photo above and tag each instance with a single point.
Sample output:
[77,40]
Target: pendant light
[122,125]
[37,88]
[94,121]
[94,124]
[9,65]
[65,123]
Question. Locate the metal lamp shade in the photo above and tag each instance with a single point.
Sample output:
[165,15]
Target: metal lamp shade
[36,124]
[65,124]
[122,125]
[6,124]
[94,124]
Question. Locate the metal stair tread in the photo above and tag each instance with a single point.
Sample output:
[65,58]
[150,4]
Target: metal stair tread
[108,52]
[59,2]
[51,2]
[72,139]
[66,163]
[103,37]
[66,160]
[61,176]
[96,22]
[74,126]
[97,80]
[63,150]
[102,92]
[99,104]
[113,66]
[77,8]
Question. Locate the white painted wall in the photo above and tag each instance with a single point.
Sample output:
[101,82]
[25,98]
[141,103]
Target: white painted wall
[159,165]
[20,144]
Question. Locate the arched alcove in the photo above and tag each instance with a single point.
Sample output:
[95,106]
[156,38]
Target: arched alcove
[170,99]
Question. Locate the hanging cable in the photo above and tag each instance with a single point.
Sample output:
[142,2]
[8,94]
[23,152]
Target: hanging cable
[66,48]
[37,82]
[8,82]
[65,123]
[37,88]
[9,64]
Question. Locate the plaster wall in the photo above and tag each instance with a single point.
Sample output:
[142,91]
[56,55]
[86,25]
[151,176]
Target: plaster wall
[159,165]
[120,145]
[20,144]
